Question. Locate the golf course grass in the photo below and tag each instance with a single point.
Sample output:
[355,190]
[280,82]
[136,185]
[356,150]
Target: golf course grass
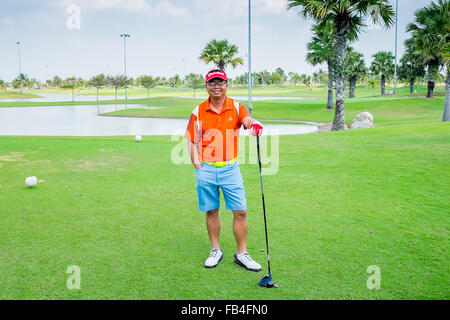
[127,216]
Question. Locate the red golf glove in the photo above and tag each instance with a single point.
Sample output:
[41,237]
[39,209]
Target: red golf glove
[257,128]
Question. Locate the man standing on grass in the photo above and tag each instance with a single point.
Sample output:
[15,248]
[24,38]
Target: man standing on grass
[212,134]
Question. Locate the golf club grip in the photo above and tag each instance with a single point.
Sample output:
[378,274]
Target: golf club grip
[259,162]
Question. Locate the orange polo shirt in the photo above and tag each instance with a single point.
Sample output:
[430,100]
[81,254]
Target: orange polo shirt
[216,133]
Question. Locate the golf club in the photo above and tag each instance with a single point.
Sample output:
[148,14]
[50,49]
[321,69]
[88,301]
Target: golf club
[267,280]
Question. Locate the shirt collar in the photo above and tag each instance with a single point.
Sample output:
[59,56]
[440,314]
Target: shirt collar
[227,105]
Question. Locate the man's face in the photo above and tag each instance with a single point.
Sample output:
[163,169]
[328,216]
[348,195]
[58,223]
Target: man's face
[216,88]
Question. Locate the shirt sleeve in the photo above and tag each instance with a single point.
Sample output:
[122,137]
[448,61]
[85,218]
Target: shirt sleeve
[243,113]
[191,130]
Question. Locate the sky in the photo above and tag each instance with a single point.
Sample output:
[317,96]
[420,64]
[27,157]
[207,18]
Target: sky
[82,37]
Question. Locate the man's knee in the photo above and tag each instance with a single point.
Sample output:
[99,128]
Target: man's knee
[212,212]
[240,214]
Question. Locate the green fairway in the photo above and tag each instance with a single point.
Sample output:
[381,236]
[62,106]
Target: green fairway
[127,216]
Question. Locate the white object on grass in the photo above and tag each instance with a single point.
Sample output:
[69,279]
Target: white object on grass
[138,138]
[31,181]
[363,120]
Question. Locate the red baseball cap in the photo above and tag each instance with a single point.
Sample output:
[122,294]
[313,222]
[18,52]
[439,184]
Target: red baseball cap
[216,74]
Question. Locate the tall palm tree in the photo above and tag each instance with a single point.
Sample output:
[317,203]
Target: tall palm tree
[221,53]
[411,66]
[446,116]
[347,16]
[355,68]
[320,50]
[383,65]
[430,34]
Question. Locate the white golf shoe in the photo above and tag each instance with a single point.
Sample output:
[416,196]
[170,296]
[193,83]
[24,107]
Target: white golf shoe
[215,256]
[245,260]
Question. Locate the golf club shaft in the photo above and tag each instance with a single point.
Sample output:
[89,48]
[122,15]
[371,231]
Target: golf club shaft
[264,205]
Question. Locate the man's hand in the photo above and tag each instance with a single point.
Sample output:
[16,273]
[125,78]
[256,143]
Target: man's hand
[257,128]
[193,151]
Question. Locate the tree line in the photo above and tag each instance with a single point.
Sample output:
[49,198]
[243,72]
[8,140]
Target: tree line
[337,24]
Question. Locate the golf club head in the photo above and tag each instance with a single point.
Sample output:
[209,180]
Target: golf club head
[266,281]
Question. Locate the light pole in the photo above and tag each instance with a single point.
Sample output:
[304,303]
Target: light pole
[124,36]
[46,75]
[18,46]
[396,32]
[249,81]
[184,71]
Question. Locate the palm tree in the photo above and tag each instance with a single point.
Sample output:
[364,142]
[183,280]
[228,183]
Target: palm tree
[373,82]
[347,17]
[221,53]
[355,68]
[430,34]
[305,79]
[194,81]
[98,82]
[383,65]
[411,67]
[22,81]
[147,82]
[320,50]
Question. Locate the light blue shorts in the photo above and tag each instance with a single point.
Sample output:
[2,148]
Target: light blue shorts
[228,178]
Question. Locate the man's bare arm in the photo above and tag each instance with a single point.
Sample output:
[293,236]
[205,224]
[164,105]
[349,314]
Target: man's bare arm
[248,122]
[193,151]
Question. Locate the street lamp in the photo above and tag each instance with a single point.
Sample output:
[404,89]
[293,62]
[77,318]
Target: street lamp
[184,71]
[18,46]
[396,32]
[46,75]
[249,81]
[124,36]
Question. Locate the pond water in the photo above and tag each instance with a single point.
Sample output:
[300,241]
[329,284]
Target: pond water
[85,121]
[51,97]
[60,97]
